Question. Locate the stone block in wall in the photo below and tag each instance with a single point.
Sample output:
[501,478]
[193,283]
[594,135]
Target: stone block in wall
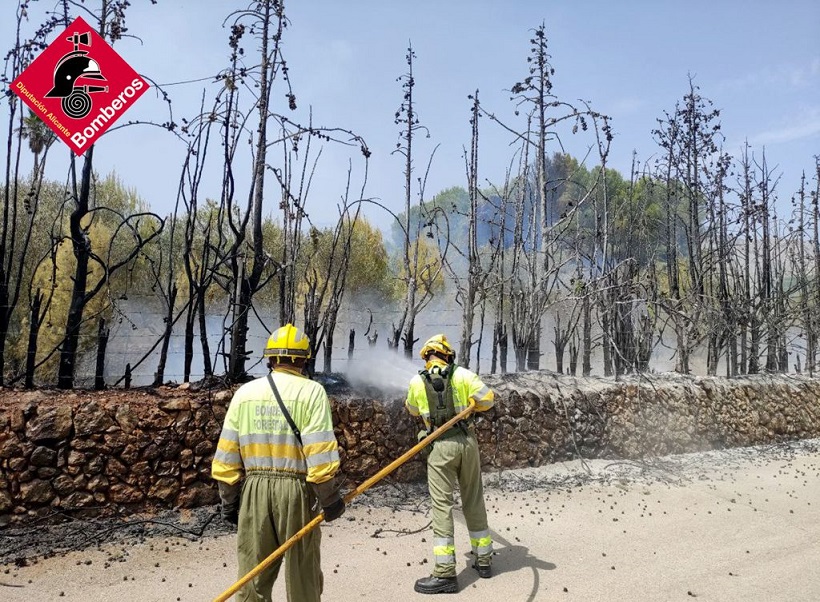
[91,418]
[130,454]
[121,493]
[94,466]
[141,468]
[165,489]
[223,397]
[76,458]
[212,429]
[186,458]
[114,467]
[10,446]
[43,456]
[50,423]
[47,472]
[204,448]
[36,492]
[174,405]
[143,482]
[152,452]
[6,503]
[166,468]
[116,440]
[414,470]
[188,477]
[379,420]
[126,418]
[505,459]
[193,437]
[219,413]
[85,444]
[63,484]
[62,455]
[485,437]
[155,420]
[350,438]
[366,447]
[202,416]
[17,420]
[515,407]
[357,410]
[198,494]
[361,467]
[182,421]
[97,483]
[141,438]
[170,449]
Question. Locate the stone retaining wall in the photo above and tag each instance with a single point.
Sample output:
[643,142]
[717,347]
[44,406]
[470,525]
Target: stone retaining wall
[89,453]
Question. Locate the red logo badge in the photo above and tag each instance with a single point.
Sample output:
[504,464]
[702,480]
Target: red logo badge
[79,86]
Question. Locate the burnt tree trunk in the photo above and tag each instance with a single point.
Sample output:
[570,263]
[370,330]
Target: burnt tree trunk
[203,335]
[81,245]
[159,376]
[33,331]
[102,344]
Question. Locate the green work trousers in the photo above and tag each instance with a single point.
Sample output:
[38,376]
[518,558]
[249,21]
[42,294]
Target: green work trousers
[272,509]
[455,459]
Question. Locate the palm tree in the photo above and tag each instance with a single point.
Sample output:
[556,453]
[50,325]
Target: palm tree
[38,134]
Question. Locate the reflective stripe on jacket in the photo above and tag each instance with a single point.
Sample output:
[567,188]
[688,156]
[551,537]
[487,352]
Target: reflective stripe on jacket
[466,385]
[256,436]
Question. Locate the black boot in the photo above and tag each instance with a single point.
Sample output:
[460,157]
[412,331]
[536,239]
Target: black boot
[436,585]
[485,571]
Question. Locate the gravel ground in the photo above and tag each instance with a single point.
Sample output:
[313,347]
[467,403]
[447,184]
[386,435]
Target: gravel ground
[740,524]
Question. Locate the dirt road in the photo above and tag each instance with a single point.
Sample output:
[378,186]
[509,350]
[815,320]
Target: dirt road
[737,525]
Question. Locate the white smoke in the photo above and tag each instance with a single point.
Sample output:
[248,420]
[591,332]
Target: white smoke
[385,369]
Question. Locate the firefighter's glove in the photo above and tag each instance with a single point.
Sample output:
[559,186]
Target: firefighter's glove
[333,505]
[229,496]
[421,436]
[230,513]
[335,510]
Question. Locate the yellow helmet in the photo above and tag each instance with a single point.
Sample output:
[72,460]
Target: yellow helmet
[288,341]
[439,344]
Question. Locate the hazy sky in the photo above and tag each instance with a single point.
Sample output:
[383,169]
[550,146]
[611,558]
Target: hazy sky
[757,60]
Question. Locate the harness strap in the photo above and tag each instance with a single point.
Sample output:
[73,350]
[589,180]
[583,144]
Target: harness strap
[285,412]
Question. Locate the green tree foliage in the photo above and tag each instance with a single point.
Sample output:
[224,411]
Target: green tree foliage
[42,206]
[38,135]
[453,202]
[368,273]
[430,277]
[636,215]
[49,264]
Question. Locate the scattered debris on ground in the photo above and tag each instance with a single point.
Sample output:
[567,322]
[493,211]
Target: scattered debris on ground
[59,534]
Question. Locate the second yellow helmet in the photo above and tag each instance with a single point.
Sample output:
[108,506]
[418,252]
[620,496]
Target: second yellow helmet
[439,344]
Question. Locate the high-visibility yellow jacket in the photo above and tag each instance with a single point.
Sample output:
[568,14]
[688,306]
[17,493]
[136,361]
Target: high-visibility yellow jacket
[466,385]
[256,437]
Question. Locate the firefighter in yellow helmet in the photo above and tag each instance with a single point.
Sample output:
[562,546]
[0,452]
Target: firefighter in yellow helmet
[278,437]
[438,393]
